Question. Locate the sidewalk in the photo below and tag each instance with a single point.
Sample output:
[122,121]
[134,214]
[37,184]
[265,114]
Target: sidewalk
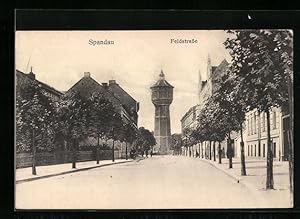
[256,178]
[25,174]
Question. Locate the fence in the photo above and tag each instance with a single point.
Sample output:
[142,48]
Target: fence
[60,157]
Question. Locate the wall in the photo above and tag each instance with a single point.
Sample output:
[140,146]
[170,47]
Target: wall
[42,159]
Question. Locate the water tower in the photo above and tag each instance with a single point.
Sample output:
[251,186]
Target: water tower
[162,97]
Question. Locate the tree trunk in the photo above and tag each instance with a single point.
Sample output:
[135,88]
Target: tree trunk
[229,151]
[220,153]
[33,153]
[291,138]
[113,151]
[205,150]
[291,167]
[97,149]
[214,149]
[199,145]
[210,150]
[126,151]
[74,154]
[269,182]
[243,164]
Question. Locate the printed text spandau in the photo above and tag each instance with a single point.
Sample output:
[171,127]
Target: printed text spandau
[101,42]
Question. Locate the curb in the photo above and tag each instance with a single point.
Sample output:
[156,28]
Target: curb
[239,180]
[233,176]
[69,171]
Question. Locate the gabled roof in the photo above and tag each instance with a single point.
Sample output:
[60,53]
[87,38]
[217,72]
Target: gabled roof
[43,85]
[116,88]
[224,63]
[213,68]
[191,109]
[108,94]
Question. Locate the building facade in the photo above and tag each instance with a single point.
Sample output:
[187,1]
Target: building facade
[162,97]
[255,135]
[205,89]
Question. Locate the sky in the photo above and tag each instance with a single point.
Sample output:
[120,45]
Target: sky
[60,58]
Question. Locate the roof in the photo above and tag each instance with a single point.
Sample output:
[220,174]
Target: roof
[224,63]
[108,94]
[116,88]
[162,81]
[44,85]
[87,85]
[191,109]
[217,69]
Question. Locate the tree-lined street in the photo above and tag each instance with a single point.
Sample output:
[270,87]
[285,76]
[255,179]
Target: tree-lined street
[157,182]
[245,106]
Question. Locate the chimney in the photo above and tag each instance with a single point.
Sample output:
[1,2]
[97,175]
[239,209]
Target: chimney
[31,74]
[112,82]
[87,74]
[105,85]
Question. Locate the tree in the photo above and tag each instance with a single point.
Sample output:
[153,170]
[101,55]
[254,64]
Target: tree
[176,143]
[116,125]
[145,140]
[188,138]
[215,122]
[101,113]
[129,135]
[34,116]
[74,112]
[262,61]
[228,97]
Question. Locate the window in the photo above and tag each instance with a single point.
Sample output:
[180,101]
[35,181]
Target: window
[259,149]
[248,150]
[254,123]
[274,149]
[251,123]
[255,150]
[248,129]
[264,121]
[264,150]
[251,150]
[194,115]
[274,120]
